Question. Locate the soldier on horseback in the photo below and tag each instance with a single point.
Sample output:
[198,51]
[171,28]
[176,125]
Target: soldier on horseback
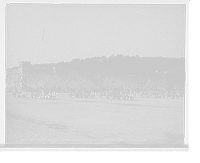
[131,92]
[92,92]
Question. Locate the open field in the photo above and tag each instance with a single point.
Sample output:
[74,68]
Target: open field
[94,121]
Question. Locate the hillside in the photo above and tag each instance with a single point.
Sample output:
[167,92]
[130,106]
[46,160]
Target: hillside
[122,64]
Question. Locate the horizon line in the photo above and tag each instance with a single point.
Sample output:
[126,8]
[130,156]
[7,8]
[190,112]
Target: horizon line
[96,57]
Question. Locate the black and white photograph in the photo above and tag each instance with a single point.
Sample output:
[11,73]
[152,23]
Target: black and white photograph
[95,75]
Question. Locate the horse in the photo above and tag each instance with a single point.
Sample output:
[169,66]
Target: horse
[174,93]
[115,94]
[107,94]
[182,92]
[20,93]
[164,93]
[71,93]
[14,93]
[177,93]
[123,94]
[146,94]
[78,93]
[156,93]
[42,93]
[52,94]
[47,94]
[131,93]
[84,93]
[92,93]
[36,94]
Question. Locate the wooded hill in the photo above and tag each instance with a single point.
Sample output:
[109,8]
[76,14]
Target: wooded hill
[122,64]
[114,71]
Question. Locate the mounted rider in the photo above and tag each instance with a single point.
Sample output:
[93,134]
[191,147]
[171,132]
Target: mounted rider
[121,89]
[42,93]
[92,92]
[177,90]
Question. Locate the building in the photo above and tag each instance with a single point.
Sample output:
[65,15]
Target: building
[57,69]
[26,69]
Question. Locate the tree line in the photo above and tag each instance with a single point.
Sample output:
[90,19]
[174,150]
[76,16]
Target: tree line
[102,80]
[99,79]
[103,72]
[121,64]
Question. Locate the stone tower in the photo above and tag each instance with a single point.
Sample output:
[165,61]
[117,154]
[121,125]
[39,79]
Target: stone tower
[25,69]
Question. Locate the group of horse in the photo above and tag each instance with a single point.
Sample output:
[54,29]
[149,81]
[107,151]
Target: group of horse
[164,93]
[20,93]
[44,94]
[115,95]
[82,93]
[124,95]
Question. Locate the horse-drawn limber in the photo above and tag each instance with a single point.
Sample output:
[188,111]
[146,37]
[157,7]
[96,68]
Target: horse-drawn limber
[118,95]
[44,94]
[164,93]
[82,93]
[19,92]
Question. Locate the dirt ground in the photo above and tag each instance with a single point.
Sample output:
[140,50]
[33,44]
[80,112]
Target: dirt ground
[94,121]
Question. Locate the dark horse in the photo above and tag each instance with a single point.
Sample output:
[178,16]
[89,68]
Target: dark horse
[131,94]
[164,93]
[20,93]
[48,94]
[115,94]
[92,93]
[174,94]
[51,94]
[122,94]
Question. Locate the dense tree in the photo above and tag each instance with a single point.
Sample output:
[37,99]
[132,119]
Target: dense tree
[158,80]
[175,78]
[32,81]
[122,64]
[43,80]
[12,78]
[114,71]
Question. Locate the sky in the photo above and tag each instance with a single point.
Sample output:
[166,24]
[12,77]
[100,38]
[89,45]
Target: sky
[47,33]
